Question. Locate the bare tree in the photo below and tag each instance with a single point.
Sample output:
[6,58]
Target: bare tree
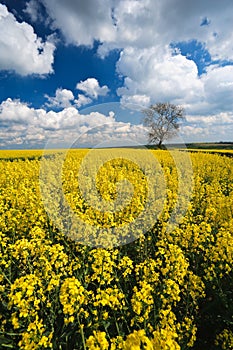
[163,121]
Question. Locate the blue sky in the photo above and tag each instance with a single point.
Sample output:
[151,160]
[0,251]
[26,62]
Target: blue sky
[68,67]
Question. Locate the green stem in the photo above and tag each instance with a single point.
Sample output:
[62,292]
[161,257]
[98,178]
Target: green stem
[9,333]
[117,327]
[82,334]
[6,277]
[8,346]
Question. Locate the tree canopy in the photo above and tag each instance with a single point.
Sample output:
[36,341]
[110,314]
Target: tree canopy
[162,119]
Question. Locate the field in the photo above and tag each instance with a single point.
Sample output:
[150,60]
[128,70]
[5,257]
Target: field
[129,279]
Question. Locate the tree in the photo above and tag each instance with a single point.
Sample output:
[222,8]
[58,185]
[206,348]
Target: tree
[163,121]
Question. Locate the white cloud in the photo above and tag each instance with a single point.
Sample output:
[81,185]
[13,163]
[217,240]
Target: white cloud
[20,48]
[218,84]
[32,9]
[135,101]
[147,23]
[92,89]
[15,111]
[217,93]
[21,124]
[192,133]
[143,31]
[212,133]
[142,24]
[167,77]
[82,22]
[63,98]
[218,119]
[82,100]
[162,77]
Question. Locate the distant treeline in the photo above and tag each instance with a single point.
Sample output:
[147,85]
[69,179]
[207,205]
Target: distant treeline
[211,145]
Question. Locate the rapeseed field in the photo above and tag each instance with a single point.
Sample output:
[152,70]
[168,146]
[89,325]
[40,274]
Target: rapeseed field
[163,287]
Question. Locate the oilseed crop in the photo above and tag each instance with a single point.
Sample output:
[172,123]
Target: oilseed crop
[126,250]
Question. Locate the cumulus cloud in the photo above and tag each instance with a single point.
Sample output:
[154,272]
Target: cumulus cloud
[194,133]
[33,10]
[217,119]
[27,126]
[135,101]
[92,89]
[151,78]
[82,100]
[161,77]
[21,49]
[23,125]
[218,85]
[82,22]
[147,23]
[63,98]
[200,131]
[15,111]
[143,32]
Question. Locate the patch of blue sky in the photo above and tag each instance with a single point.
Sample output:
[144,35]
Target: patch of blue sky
[194,51]
[197,52]
[71,65]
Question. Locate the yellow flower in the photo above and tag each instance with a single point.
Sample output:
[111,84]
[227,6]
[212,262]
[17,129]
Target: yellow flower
[97,341]
[138,340]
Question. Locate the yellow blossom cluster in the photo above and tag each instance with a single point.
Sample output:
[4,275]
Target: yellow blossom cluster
[166,287]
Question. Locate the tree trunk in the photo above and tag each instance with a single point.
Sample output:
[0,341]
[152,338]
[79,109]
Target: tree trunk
[160,143]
